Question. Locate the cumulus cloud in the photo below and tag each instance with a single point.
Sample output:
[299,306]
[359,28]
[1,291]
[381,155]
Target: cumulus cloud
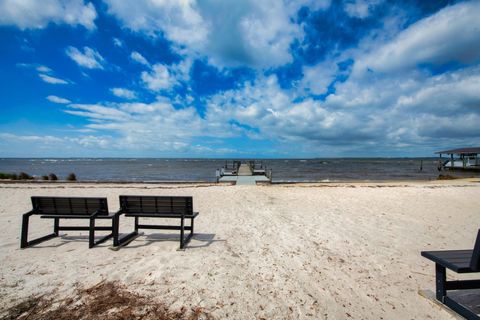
[33,14]
[158,78]
[52,80]
[123,93]
[256,34]
[89,58]
[157,125]
[450,35]
[56,99]
[163,77]
[274,114]
[316,79]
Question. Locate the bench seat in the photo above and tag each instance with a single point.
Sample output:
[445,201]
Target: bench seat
[455,260]
[161,215]
[74,216]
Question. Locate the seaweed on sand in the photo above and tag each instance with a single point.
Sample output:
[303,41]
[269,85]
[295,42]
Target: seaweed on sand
[106,300]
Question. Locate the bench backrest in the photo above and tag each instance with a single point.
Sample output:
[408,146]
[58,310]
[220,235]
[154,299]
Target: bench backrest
[69,206]
[475,262]
[156,204]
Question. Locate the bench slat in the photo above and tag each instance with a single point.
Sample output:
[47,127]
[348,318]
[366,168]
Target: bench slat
[173,205]
[69,206]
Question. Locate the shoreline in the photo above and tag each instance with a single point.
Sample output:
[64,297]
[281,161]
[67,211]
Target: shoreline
[226,183]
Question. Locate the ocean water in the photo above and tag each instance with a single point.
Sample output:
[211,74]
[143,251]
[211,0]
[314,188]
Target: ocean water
[283,170]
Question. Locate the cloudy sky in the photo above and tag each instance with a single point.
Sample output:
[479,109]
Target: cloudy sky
[221,78]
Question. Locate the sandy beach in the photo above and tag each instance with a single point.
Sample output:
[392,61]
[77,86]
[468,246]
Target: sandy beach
[304,251]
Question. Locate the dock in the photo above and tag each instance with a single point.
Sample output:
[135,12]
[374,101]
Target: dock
[244,173]
[460,159]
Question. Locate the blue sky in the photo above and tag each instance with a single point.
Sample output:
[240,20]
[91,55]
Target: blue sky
[216,78]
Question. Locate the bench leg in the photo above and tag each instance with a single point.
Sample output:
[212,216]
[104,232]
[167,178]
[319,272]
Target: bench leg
[115,226]
[440,281]
[116,236]
[101,240]
[24,237]
[182,232]
[185,240]
[56,225]
[441,292]
[91,233]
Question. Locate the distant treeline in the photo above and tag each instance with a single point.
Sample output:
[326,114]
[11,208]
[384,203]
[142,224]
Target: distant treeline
[26,176]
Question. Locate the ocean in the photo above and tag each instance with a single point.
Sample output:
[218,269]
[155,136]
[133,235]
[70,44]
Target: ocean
[283,170]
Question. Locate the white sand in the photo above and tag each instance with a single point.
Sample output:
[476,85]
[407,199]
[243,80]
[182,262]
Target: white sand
[277,252]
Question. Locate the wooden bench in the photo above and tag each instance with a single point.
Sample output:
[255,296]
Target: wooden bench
[58,208]
[157,207]
[459,261]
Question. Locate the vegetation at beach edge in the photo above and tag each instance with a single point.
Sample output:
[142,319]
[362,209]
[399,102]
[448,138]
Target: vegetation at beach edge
[25,176]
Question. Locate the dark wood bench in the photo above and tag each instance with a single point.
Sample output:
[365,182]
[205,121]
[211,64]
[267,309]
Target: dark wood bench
[58,208]
[459,261]
[157,207]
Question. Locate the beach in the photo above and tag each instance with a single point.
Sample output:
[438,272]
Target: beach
[286,251]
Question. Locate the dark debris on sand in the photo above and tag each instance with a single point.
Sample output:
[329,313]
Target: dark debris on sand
[106,300]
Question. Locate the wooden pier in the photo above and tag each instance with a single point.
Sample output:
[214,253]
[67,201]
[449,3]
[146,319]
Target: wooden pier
[245,170]
[244,173]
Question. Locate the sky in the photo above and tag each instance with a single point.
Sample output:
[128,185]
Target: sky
[229,78]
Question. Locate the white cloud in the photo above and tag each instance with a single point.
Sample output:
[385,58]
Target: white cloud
[90,58]
[256,33]
[30,138]
[274,114]
[44,69]
[34,14]
[139,58]
[158,78]
[163,77]
[158,126]
[97,112]
[450,35]
[123,93]
[316,79]
[360,8]
[52,80]
[117,42]
[56,99]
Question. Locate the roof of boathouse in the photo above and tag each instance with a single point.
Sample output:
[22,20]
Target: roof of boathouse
[461,150]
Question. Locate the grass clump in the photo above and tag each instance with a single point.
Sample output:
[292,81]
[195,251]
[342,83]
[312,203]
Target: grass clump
[24,176]
[72,177]
[12,176]
[52,177]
